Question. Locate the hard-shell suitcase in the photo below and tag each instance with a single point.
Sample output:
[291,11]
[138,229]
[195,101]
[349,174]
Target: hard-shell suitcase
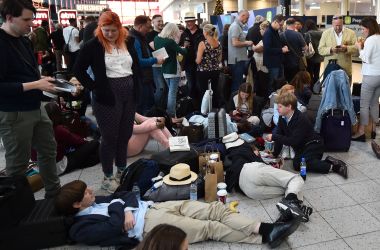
[336,130]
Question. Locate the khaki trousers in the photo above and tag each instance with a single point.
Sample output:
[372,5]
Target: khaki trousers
[22,131]
[260,181]
[203,221]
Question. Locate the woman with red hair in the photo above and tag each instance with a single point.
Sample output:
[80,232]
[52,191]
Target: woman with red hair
[113,61]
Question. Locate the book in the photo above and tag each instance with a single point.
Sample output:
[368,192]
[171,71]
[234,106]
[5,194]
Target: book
[179,143]
[160,53]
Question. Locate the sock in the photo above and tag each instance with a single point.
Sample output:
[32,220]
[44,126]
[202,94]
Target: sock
[108,175]
[265,229]
[291,196]
[121,169]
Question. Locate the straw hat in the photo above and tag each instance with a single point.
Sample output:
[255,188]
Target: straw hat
[180,174]
[189,16]
[232,140]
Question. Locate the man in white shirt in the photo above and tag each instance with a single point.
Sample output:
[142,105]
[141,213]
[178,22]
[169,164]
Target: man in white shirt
[338,43]
[71,36]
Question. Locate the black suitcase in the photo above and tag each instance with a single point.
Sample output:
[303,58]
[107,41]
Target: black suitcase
[336,130]
[42,228]
[167,159]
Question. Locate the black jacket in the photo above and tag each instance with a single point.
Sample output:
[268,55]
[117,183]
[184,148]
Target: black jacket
[102,230]
[296,134]
[233,164]
[194,40]
[17,66]
[272,56]
[92,54]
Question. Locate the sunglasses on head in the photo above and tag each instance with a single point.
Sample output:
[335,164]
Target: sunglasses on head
[337,17]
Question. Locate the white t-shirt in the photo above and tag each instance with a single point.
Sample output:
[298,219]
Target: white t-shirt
[118,63]
[370,56]
[73,44]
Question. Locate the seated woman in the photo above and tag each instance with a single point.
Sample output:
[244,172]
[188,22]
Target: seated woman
[245,107]
[73,151]
[301,83]
[143,129]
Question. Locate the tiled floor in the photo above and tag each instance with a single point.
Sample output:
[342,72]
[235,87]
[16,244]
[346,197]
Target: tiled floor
[346,212]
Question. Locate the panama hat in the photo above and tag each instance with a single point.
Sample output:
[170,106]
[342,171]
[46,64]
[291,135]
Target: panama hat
[180,174]
[189,16]
[232,140]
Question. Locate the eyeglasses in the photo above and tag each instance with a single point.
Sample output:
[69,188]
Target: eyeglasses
[337,17]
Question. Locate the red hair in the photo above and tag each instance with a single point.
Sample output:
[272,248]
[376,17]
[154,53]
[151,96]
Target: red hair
[109,18]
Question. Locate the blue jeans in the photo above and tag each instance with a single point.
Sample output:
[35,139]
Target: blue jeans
[274,73]
[238,69]
[159,81]
[172,95]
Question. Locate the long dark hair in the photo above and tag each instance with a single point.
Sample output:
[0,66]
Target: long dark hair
[163,237]
[371,24]
[310,25]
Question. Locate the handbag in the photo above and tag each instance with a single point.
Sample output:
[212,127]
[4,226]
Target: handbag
[309,52]
[194,132]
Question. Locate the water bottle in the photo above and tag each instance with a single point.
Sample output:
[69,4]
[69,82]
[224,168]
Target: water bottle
[136,191]
[303,169]
[193,191]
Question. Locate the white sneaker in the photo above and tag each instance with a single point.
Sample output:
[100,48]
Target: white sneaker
[109,184]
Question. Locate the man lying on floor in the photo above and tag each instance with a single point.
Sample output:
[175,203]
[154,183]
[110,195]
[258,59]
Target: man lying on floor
[247,172]
[120,219]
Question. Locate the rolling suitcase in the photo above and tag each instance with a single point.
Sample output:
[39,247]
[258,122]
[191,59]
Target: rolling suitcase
[336,130]
[217,121]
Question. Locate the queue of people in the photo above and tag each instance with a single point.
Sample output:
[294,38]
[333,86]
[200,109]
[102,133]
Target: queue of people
[127,77]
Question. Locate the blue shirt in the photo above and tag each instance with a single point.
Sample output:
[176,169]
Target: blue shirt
[138,214]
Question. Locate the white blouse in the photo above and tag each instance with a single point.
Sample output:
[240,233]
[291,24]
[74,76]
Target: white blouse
[118,63]
[370,56]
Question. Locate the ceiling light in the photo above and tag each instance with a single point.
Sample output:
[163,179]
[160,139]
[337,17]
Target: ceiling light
[313,3]
[315,7]
[359,1]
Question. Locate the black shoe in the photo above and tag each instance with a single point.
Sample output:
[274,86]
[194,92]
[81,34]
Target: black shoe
[285,216]
[375,149]
[295,208]
[360,138]
[339,167]
[282,230]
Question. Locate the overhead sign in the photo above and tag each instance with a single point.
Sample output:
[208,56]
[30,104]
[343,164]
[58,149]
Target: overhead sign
[65,15]
[41,14]
[91,7]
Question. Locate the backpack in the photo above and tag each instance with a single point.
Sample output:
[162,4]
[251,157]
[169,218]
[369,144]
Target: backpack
[141,172]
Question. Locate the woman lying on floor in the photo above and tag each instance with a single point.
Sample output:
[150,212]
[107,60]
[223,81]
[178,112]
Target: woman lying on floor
[145,128]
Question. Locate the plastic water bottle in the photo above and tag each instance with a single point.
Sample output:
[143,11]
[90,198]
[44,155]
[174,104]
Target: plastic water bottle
[193,191]
[136,191]
[303,168]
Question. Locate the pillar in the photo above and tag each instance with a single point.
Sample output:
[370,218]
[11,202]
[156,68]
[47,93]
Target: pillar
[242,5]
[344,7]
[301,6]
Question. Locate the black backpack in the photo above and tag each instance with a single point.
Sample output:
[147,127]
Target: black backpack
[141,172]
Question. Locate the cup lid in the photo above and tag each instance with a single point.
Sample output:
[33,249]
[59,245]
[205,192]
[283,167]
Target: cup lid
[222,192]
[222,185]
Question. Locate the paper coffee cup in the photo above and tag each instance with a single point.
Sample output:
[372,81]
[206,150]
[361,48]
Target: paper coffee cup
[222,196]
[222,186]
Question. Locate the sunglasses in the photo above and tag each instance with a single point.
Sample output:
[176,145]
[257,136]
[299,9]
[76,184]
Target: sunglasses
[337,17]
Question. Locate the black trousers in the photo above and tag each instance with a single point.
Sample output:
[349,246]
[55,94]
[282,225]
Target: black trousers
[312,153]
[290,72]
[314,71]
[202,80]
